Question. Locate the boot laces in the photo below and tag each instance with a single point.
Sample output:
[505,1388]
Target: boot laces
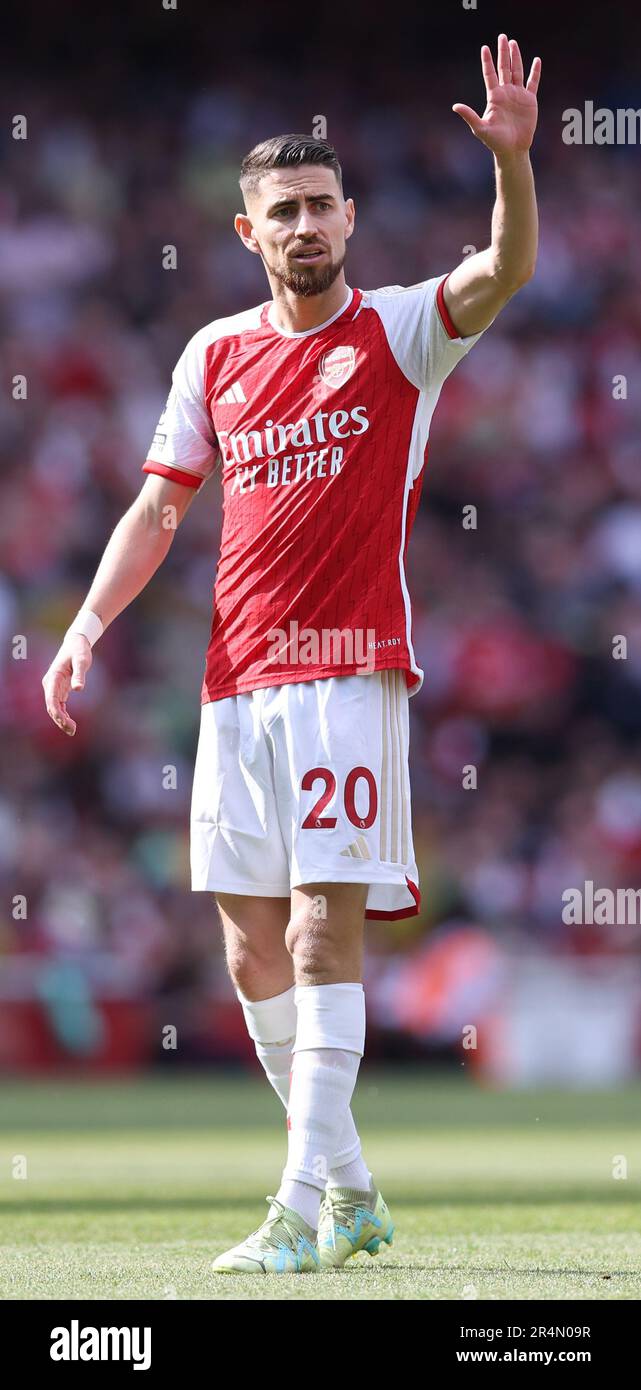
[267,1234]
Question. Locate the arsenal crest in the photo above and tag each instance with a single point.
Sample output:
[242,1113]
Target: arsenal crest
[336,367]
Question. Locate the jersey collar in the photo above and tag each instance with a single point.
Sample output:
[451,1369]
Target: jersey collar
[349,309]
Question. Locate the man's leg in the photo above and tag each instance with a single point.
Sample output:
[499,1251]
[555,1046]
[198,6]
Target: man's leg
[262,971]
[325,940]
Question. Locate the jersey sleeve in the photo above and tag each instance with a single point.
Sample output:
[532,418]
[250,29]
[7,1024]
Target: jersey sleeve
[420,331]
[184,447]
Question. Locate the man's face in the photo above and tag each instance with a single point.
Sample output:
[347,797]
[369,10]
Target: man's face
[299,223]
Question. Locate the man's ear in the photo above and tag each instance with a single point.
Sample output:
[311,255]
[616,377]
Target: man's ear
[244,227]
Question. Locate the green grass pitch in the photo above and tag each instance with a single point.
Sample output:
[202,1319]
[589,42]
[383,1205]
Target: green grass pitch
[133,1186]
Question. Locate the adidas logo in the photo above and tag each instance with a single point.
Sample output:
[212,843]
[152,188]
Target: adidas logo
[358,850]
[233,396]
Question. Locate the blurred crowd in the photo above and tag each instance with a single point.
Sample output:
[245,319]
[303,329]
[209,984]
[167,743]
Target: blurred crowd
[515,620]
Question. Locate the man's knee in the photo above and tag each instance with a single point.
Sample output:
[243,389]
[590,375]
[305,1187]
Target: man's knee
[314,946]
[324,935]
[250,963]
[255,955]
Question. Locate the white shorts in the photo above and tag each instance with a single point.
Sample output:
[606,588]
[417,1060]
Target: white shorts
[307,783]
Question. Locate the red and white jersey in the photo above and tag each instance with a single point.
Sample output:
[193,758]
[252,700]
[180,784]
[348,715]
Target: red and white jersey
[322,437]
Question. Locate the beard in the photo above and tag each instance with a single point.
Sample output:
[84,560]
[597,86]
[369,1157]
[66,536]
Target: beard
[306,281]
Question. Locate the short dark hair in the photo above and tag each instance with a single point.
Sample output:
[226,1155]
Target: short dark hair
[286,152]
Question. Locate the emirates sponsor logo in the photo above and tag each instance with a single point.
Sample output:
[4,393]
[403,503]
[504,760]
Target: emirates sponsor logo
[240,446]
[337,366]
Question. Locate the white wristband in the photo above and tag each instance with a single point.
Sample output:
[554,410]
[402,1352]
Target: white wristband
[88,624]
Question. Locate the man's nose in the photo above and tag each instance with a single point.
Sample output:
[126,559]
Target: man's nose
[306,224]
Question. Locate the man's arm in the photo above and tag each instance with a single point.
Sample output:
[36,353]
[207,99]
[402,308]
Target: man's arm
[138,545]
[482,284]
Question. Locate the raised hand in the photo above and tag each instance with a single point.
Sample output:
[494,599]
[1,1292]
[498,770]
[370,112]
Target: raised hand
[509,120]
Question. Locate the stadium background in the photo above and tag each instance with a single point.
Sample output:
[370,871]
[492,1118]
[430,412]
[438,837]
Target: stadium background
[138,121]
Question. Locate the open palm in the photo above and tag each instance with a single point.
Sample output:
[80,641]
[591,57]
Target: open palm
[509,120]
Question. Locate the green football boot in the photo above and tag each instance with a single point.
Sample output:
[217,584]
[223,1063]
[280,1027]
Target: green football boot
[284,1244]
[351,1221]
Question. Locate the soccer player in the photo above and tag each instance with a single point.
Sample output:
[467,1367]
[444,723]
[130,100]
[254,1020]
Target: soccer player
[316,405]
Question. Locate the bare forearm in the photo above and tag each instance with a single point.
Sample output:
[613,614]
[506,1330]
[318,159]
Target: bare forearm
[515,221]
[478,288]
[137,547]
[132,555]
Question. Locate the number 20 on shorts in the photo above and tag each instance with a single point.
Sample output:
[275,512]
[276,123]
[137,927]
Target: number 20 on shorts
[315,820]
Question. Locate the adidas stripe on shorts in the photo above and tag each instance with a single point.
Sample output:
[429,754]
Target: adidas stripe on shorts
[307,783]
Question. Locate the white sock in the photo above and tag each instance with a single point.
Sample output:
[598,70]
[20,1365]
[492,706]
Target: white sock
[271,1024]
[301,1198]
[330,1040]
[323,1080]
[355,1175]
